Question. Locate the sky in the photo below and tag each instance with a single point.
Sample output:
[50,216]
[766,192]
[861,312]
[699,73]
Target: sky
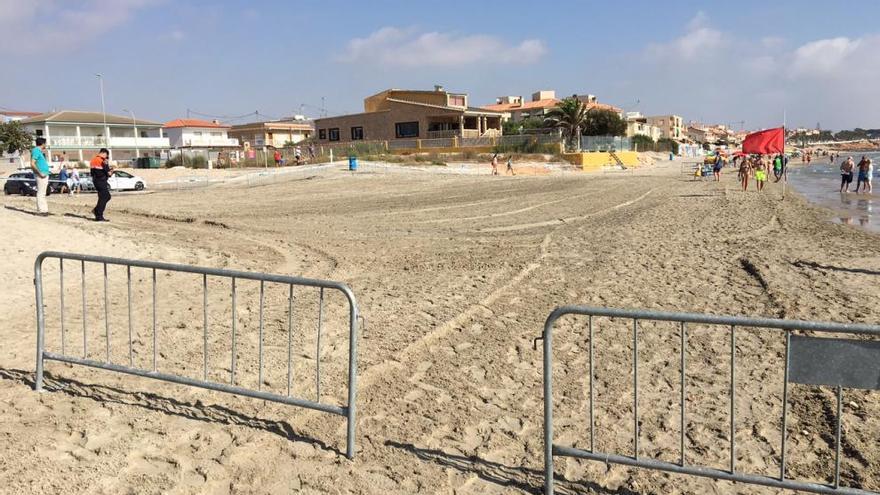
[745,64]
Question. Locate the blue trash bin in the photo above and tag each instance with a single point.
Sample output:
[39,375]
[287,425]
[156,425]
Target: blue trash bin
[352,163]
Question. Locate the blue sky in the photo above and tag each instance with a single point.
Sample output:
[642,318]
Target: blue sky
[725,62]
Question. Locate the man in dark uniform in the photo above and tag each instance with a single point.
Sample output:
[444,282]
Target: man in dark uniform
[101,172]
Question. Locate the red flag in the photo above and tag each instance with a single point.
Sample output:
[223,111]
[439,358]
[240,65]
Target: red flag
[765,142]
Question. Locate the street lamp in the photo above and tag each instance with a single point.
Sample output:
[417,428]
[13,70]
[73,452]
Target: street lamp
[137,152]
[104,110]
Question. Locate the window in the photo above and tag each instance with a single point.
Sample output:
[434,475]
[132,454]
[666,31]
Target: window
[322,133]
[197,133]
[124,175]
[406,129]
[357,133]
[333,134]
[215,134]
[456,101]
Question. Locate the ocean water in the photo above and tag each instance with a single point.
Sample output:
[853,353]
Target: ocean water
[820,184]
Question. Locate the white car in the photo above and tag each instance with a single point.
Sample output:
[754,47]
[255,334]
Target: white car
[124,181]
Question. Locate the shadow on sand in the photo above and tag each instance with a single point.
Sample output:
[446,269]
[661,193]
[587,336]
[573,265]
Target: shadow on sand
[525,479]
[147,400]
[817,266]
[22,210]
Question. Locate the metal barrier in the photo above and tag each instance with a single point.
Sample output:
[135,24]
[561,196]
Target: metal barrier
[348,410]
[841,363]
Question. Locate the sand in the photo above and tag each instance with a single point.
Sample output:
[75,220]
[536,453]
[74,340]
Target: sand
[455,275]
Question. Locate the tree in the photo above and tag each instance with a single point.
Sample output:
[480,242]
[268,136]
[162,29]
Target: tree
[511,127]
[569,115]
[14,138]
[602,122]
[642,143]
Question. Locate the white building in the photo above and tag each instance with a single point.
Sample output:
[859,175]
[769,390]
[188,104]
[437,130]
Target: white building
[79,135]
[12,115]
[198,134]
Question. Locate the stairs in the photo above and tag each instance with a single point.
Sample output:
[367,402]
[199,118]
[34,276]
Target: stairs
[617,159]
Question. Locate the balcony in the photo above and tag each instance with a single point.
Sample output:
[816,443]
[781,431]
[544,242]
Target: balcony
[83,142]
[210,141]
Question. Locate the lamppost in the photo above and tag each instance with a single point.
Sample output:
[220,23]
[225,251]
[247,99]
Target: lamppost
[104,110]
[137,152]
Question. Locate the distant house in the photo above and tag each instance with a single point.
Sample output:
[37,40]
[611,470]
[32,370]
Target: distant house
[410,114]
[272,134]
[637,125]
[671,126]
[195,134]
[12,115]
[79,135]
[542,102]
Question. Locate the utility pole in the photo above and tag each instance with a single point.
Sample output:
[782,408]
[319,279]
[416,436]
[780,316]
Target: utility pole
[104,110]
[137,152]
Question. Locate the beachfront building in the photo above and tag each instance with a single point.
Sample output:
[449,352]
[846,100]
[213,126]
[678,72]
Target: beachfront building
[671,126]
[411,114]
[77,136]
[637,125]
[271,134]
[14,115]
[199,135]
[542,102]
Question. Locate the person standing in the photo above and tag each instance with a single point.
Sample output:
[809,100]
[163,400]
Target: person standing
[495,164]
[311,151]
[863,172]
[75,184]
[846,174]
[761,167]
[277,157]
[101,173]
[744,170]
[716,167]
[298,155]
[869,175]
[510,165]
[41,169]
[64,177]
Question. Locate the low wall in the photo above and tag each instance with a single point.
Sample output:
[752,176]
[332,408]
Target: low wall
[595,160]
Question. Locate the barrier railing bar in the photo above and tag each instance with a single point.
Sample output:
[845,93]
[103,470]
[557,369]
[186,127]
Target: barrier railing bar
[205,325]
[318,350]
[732,398]
[61,276]
[635,388]
[260,344]
[352,379]
[683,393]
[702,472]
[41,327]
[784,407]
[106,315]
[130,325]
[548,403]
[220,387]
[155,352]
[85,341]
[592,396]
[289,336]
[837,436]
[232,368]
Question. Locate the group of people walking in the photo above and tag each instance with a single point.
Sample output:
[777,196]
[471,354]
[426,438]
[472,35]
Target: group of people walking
[99,168]
[759,167]
[865,169]
[509,165]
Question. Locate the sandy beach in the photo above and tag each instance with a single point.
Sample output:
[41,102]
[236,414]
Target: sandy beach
[455,275]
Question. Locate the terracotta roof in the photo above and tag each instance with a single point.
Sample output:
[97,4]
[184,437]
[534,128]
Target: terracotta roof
[15,113]
[194,123]
[77,117]
[528,105]
[603,106]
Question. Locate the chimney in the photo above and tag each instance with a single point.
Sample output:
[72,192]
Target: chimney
[438,88]
[215,121]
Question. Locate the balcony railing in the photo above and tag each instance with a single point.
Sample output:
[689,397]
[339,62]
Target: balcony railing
[114,142]
[210,141]
[463,133]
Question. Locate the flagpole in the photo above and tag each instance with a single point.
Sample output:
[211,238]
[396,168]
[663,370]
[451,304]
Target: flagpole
[784,166]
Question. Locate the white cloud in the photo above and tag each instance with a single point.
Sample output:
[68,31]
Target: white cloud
[173,35]
[824,56]
[392,46]
[700,40]
[61,26]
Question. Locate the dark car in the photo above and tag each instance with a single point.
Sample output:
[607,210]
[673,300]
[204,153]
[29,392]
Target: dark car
[23,183]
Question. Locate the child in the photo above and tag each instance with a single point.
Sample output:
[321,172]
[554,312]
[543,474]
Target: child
[510,165]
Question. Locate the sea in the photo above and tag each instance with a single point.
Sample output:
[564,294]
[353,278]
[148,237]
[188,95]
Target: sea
[819,183]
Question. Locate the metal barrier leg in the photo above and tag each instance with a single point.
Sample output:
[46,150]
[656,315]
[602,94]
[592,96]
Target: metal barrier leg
[592,394]
[683,392]
[155,352]
[85,340]
[289,337]
[784,406]
[352,382]
[61,276]
[837,437]
[548,409]
[635,388]
[732,398]
[130,325]
[318,350]
[205,325]
[260,344]
[232,369]
[106,316]
[41,325]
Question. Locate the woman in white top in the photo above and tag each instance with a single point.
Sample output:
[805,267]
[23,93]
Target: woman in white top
[870,175]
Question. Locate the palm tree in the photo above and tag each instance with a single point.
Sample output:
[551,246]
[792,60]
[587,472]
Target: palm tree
[569,115]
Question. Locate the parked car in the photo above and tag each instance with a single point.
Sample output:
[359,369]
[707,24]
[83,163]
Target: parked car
[23,183]
[124,181]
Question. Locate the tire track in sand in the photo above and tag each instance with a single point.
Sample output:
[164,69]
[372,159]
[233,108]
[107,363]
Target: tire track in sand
[369,376]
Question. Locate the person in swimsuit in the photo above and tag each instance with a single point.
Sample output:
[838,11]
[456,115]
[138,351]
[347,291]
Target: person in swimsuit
[760,173]
[846,174]
[745,169]
[863,172]
[495,164]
